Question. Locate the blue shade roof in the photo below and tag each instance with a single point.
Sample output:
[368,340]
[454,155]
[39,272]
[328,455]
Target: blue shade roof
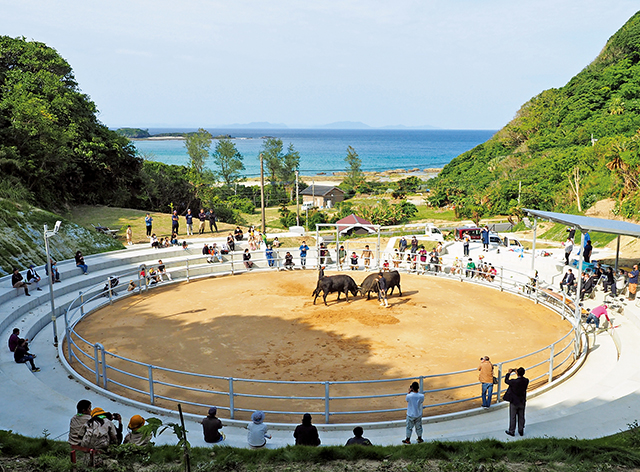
[587,223]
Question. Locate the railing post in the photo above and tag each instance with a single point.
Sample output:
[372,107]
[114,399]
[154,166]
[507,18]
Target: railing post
[231,399]
[187,270]
[501,278]
[81,304]
[109,290]
[104,368]
[499,392]
[421,381]
[326,402]
[551,363]
[68,333]
[152,397]
[96,348]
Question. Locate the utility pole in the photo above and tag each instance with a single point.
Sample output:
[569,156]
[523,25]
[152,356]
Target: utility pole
[297,202]
[264,227]
[313,193]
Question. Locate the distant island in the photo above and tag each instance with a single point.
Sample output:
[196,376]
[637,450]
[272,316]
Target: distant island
[137,133]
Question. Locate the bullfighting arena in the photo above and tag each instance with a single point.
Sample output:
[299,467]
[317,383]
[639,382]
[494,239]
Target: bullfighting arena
[264,326]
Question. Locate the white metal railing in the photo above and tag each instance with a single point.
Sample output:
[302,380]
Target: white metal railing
[159,383]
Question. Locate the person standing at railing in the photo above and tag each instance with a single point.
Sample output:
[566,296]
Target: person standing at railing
[516,395]
[486,379]
[415,400]
[633,282]
[465,245]
[366,255]
[303,254]
[258,431]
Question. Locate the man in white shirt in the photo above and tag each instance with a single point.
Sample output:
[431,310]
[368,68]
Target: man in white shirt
[415,399]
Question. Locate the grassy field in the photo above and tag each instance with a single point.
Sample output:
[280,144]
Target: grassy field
[620,452]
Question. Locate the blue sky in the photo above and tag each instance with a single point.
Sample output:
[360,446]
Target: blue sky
[459,64]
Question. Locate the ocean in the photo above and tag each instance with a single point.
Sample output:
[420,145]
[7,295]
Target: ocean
[323,151]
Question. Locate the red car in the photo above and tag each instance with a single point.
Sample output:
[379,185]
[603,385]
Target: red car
[474,233]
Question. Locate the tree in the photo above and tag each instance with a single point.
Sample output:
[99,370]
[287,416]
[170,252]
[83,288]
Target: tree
[228,161]
[355,178]
[53,149]
[272,157]
[198,145]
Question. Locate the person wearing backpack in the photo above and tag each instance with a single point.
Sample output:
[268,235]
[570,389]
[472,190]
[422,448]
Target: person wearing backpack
[99,431]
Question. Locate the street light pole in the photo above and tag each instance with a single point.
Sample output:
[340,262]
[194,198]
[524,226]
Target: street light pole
[47,235]
[297,203]
[264,227]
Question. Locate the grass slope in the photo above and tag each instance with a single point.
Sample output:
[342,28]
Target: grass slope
[22,241]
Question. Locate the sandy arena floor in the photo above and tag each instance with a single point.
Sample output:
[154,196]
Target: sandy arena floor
[265,326]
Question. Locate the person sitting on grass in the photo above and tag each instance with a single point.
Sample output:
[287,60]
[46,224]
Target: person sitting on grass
[135,436]
[21,355]
[99,431]
[18,282]
[357,439]
[78,422]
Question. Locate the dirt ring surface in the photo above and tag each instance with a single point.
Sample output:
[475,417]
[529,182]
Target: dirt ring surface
[265,326]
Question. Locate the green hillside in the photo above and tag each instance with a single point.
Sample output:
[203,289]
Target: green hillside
[591,124]
[22,239]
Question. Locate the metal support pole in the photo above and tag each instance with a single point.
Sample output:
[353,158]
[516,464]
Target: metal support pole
[499,392]
[231,399]
[152,397]
[109,291]
[551,363]
[104,368]
[326,402]
[187,270]
[533,248]
[501,278]
[378,250]
[47,234]
[421,381]
[68,335]
[297,202]
[617,252]
[96,348]
[318,245]
[578,312]
[81,304]
[264,228]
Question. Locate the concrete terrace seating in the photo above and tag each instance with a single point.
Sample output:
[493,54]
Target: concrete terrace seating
[599,399]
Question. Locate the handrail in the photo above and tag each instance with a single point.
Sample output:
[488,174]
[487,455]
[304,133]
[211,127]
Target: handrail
[513,282]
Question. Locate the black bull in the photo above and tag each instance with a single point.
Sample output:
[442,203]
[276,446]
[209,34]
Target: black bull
[370,283]
[335,283]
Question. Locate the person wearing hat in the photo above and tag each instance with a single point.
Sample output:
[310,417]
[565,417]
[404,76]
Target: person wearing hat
[17,282]
[211,427]
[33,277]
[135,436]
[258,431]
[306,434]
[99,431]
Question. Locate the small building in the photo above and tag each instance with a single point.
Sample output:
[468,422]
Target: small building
[322,196]
[353,224]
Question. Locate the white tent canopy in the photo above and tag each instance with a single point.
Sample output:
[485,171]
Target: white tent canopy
[587,223]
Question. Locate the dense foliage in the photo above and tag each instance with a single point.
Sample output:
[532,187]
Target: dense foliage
[53,149]
[591,124]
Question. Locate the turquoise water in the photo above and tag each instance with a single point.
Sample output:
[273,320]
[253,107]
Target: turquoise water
[325,150]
